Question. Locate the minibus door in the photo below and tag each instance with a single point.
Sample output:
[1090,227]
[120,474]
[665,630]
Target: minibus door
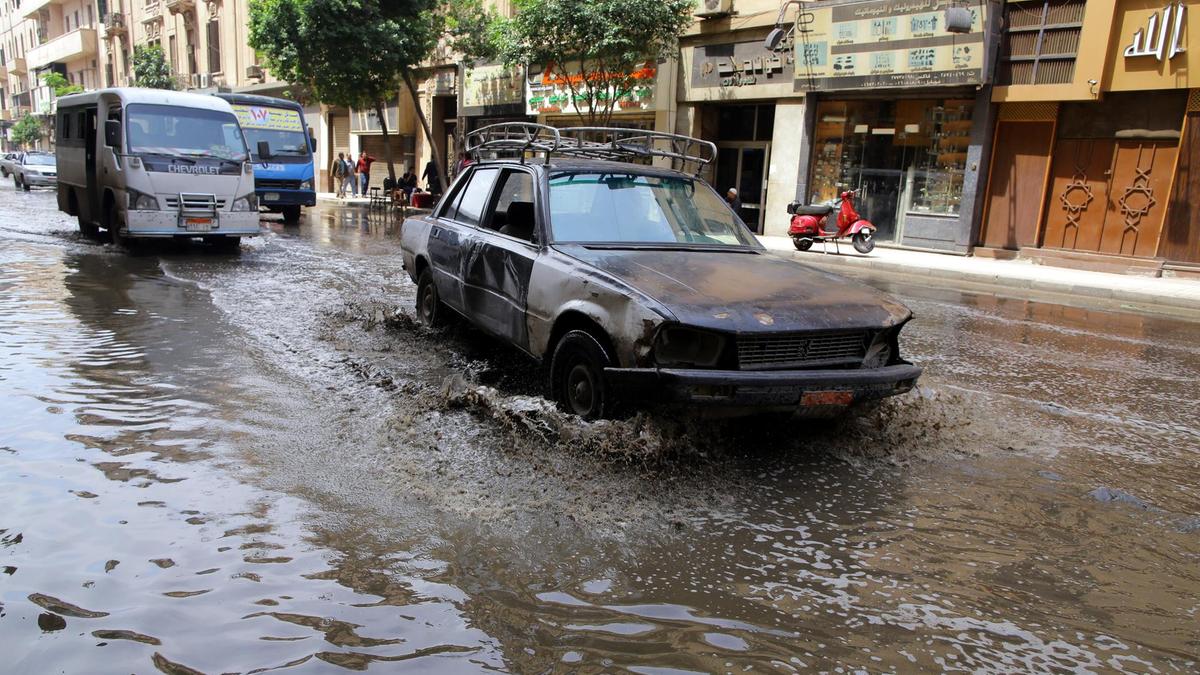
[92,189]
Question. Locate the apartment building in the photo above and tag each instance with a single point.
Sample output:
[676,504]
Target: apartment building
[18,36]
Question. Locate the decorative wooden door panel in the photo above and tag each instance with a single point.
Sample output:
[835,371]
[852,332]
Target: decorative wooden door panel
[1109,196]
[1017,184]
[1078,198]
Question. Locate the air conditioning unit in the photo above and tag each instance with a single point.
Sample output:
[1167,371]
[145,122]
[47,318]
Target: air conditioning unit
[707,9]
[195,81]
[254,73]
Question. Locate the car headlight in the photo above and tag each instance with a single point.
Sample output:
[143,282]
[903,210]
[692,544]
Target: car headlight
[247,203]
[306,185]
[882,349]
[140,201]
[679,346]
[33,172]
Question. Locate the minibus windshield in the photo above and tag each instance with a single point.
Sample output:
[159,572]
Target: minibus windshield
[172,131]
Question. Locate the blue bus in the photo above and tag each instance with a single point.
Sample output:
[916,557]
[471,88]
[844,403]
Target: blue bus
[281,147]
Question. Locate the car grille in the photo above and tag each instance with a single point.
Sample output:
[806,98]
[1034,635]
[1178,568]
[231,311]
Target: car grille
[276,184]
[792,350]
[196,202]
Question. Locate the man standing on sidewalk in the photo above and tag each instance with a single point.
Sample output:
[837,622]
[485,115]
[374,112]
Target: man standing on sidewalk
[339,175]
[364,170]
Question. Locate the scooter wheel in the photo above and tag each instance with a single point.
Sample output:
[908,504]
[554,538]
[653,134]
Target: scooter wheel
[863,242]
[802,244]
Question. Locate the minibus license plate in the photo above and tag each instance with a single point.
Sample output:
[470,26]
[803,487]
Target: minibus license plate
[271,197]
[198,224]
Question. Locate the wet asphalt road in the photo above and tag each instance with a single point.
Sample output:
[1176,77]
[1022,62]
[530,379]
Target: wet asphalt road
[238,463]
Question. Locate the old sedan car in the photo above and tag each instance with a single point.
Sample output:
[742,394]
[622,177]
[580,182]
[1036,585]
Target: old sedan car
[636,283]
[7,162]
[35,169]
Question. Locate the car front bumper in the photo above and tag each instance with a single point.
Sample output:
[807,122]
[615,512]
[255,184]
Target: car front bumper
[168,224]
[39,181]
[811,391]
[269,198]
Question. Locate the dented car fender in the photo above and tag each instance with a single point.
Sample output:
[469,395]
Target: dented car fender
[561,286]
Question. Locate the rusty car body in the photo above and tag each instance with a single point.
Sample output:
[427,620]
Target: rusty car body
[636,283]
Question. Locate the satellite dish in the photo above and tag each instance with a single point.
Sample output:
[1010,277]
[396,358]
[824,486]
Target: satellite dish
[774,38]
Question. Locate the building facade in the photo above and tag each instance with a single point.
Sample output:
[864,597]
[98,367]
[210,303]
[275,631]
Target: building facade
[1097,141]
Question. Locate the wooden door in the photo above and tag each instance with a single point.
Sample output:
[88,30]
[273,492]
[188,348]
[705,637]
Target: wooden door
[1017,184]
[1137,198]
[1181,233]
[1078,199]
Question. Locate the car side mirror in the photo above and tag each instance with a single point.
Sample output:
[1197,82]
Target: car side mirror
[264,150]
[112,133]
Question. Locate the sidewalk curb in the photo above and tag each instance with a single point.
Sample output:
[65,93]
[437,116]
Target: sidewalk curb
[1091,297]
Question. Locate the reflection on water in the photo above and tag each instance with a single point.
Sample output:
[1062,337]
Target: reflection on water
[232,463]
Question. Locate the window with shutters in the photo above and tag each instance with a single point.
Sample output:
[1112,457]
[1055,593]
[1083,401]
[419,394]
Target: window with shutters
[1041,41]
[214,46]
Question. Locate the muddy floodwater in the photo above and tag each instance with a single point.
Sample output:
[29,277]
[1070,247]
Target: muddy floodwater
[258,462]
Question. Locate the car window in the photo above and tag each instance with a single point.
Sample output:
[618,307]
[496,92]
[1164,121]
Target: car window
[475,196]
[513,214]
[39,159]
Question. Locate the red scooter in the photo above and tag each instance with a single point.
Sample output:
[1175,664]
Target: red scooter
[811,223]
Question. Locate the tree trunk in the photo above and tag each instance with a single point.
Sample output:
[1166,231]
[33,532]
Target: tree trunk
[387,144]
[437,162]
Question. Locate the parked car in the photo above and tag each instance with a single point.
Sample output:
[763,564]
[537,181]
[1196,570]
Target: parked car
[638,284]
[35,169]
[8,162]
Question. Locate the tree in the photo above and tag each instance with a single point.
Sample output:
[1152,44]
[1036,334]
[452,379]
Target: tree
[27,131]
[59,84]
[353,53]
[150,68]
[596,48]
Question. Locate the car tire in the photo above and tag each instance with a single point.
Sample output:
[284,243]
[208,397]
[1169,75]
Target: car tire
[430,310]
[87,229]
[577,376]
[864,243]
[113,220]
[291,214]
[16,182]
[227,244]
[802,244]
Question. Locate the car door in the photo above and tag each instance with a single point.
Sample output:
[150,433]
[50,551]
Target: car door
[500,260]
[452,231]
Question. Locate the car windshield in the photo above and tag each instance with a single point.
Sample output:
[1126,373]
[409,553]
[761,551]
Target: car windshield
[281,128]
[39,159]
[179,131]
[628,208]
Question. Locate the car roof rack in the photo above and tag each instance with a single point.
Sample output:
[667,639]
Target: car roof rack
[522,139]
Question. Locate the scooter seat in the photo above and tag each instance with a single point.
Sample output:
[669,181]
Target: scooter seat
[818,210]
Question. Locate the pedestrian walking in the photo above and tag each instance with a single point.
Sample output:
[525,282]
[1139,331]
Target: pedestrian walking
[430,176]
[350,180]
[339,174]
[364,170]
[464,160]
[735,203]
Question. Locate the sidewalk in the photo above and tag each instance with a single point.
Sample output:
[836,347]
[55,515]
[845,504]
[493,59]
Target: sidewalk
[1015,278]
[348,201]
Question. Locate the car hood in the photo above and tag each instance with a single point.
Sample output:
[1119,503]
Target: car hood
[744,292]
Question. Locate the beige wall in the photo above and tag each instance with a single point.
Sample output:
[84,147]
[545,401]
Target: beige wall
[1147,72]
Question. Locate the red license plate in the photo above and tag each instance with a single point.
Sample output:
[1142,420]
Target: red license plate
[826,398]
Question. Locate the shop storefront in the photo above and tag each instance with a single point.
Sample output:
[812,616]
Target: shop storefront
[1107,180]
[901,114]
[549,98]
[492,93]
[739,95]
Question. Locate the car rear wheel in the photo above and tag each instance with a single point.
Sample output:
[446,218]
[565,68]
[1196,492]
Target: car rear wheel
[802,244]
[16,182]
[577,376]
[863,242]
[429,306]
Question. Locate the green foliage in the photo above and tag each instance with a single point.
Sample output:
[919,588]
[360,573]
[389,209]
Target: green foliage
[596,44]
[150,68]
[59,84]
[472,30]
[27,131]
[345,52]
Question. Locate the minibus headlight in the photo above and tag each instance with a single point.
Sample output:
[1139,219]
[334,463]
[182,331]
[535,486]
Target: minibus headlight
[140,201]
[306,185]
[247,203]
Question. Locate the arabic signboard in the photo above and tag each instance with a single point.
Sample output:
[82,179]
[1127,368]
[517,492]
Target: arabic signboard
[887,43]
[733,70]
[1151,49]
[491,89]
[548,91]
[262,117]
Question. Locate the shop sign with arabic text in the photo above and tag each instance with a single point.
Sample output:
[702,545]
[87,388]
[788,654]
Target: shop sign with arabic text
[548,90]
[888,43]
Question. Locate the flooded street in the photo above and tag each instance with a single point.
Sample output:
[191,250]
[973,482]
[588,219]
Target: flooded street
[237,463]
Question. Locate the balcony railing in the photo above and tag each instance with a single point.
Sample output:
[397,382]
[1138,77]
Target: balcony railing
[180,6]
[16,66]
[76,44]
[114,24]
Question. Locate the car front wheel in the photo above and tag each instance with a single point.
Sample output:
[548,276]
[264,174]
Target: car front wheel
[577,376]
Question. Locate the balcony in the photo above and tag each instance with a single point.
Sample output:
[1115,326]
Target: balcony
[16,66]
[31,8]
[64,48]
[180,6]
[114,25]
[152,12]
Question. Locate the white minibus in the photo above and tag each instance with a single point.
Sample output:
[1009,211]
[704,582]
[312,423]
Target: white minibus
[152,163]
